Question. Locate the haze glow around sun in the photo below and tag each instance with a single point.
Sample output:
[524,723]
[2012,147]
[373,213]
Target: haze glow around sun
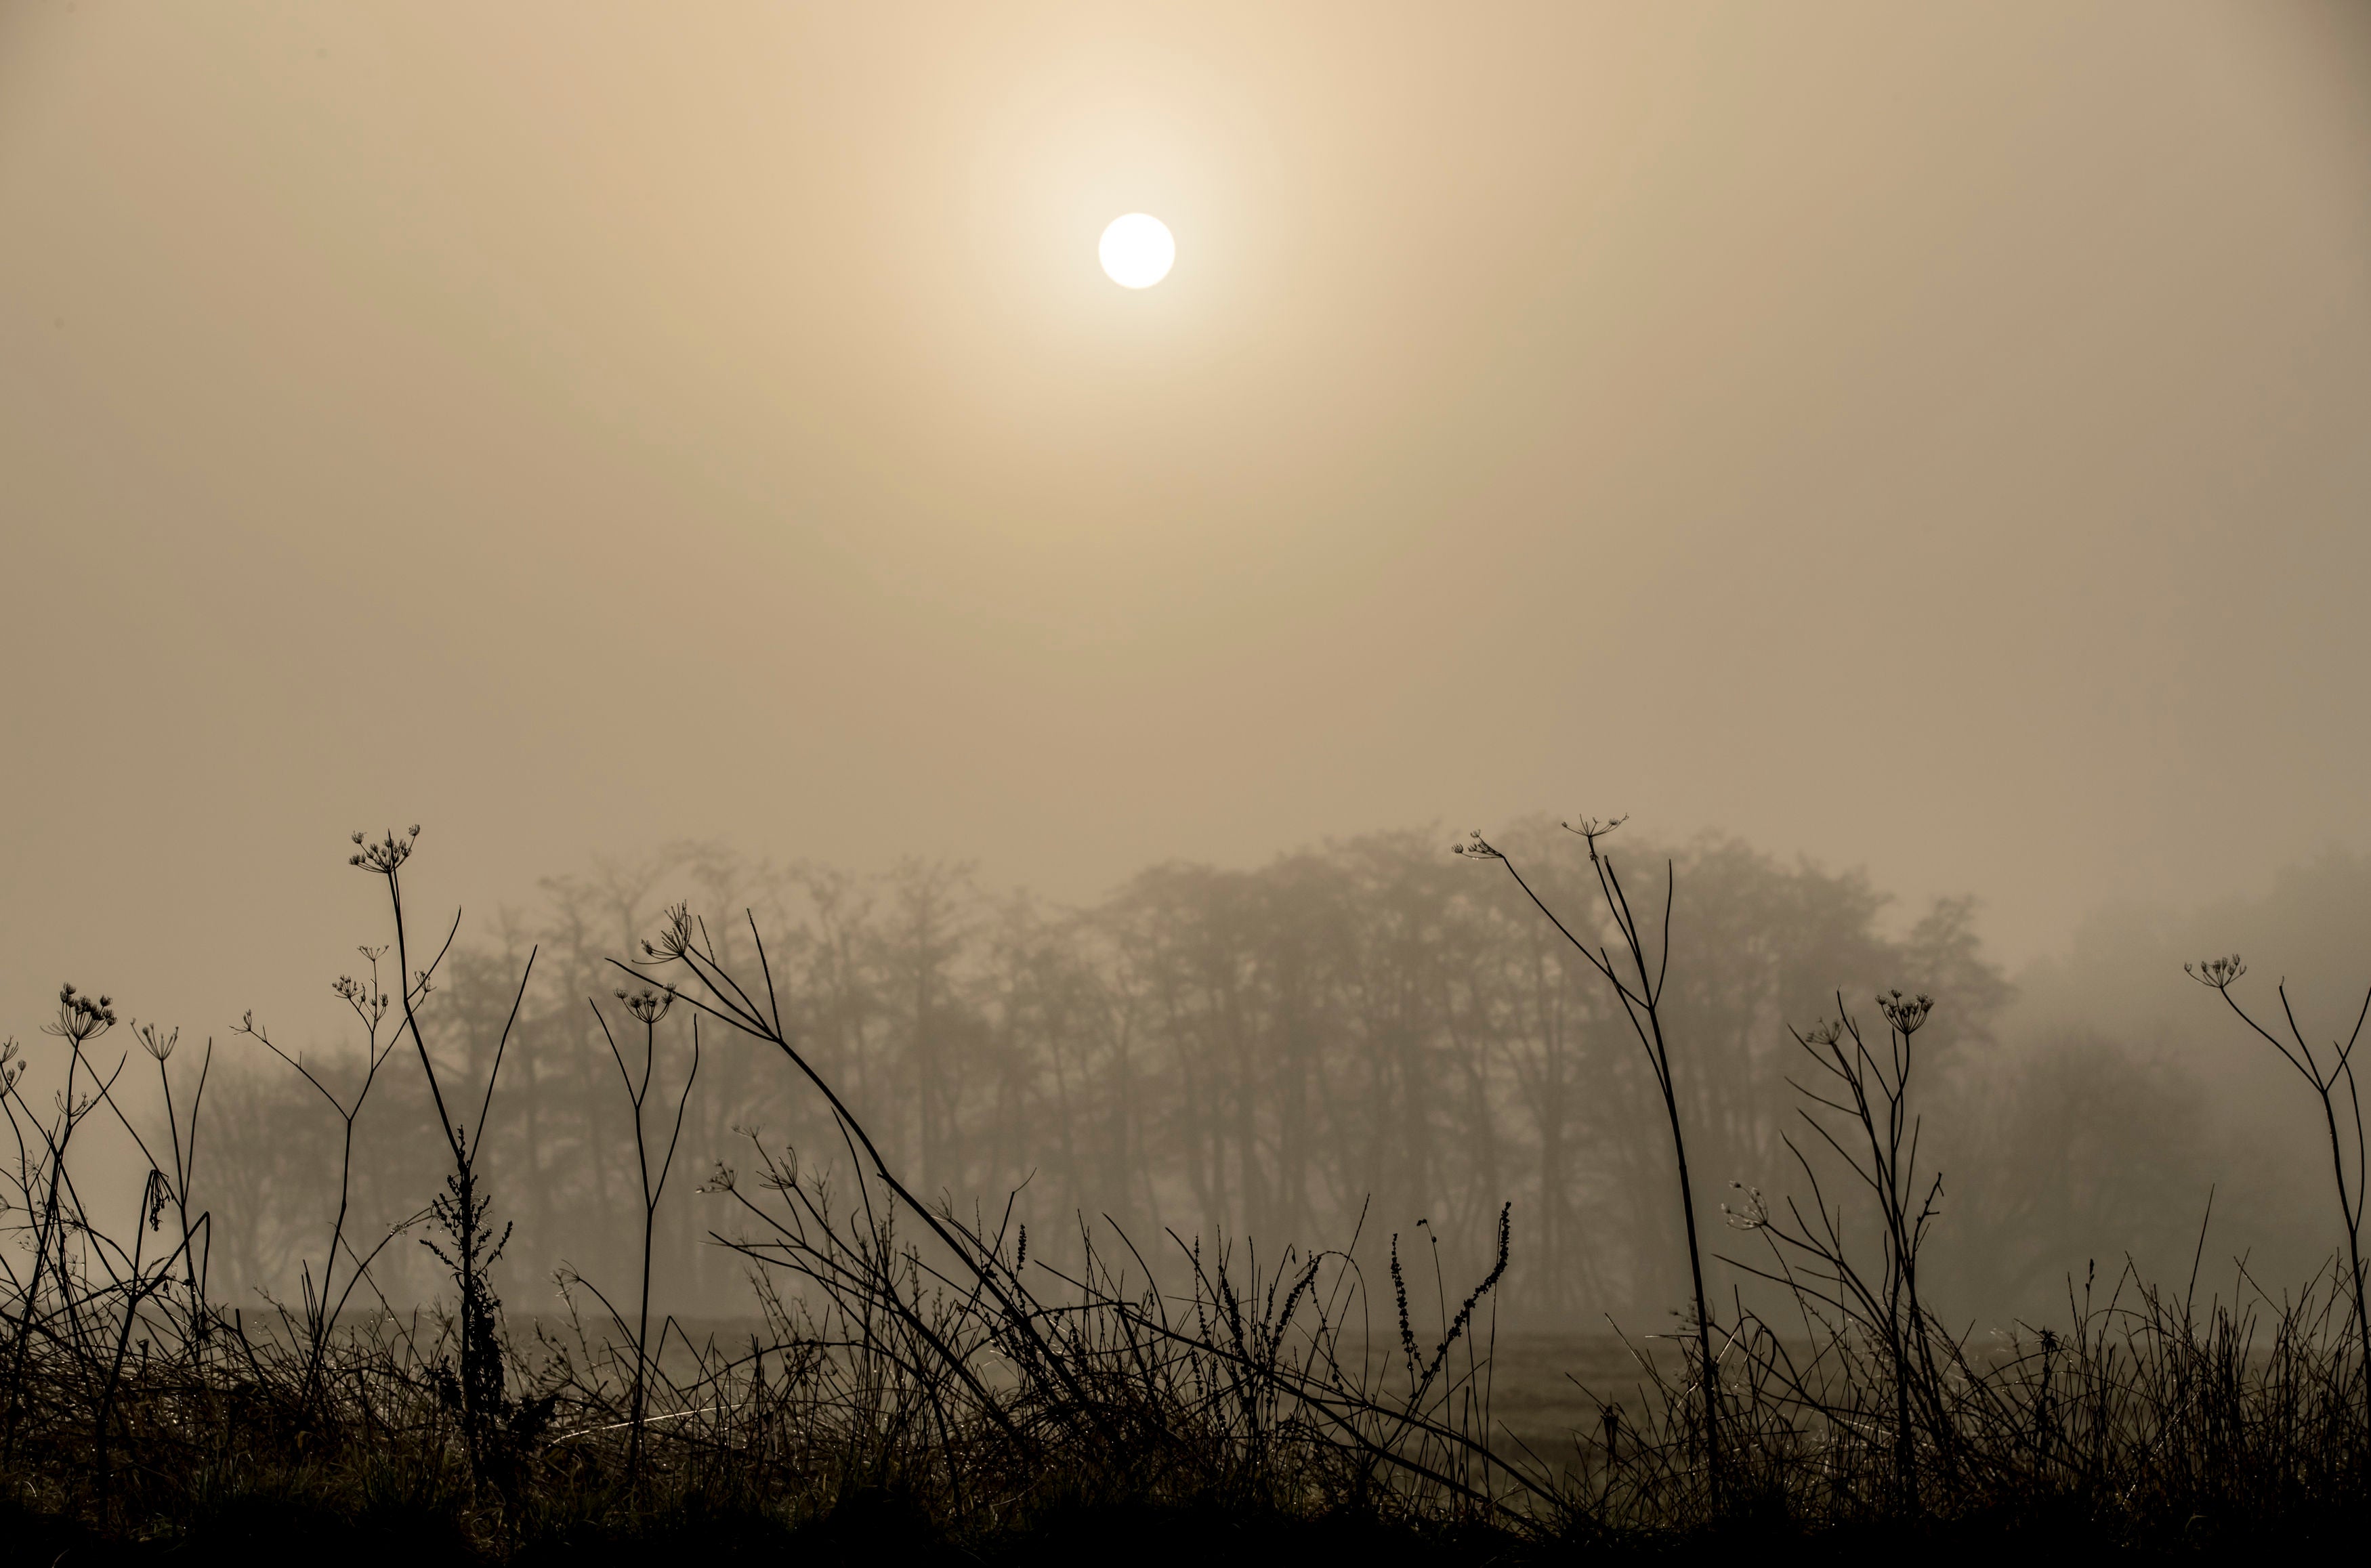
[1138,251]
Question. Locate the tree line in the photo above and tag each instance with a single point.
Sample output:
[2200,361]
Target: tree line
[1351,1039]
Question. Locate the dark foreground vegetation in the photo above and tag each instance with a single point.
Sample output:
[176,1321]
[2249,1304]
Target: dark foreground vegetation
[932,1384]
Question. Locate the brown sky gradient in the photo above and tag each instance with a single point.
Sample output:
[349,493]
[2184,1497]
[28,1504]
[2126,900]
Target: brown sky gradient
[1934,437]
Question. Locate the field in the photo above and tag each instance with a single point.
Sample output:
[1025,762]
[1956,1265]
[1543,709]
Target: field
[912,1380]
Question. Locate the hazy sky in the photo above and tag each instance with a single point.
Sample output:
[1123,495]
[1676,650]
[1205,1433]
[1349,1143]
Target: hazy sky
[1933,437]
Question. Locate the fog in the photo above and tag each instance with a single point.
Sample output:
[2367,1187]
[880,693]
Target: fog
[1900,455]
[1366,1040]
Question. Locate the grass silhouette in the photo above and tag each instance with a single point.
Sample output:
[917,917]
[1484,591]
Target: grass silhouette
[924,1386]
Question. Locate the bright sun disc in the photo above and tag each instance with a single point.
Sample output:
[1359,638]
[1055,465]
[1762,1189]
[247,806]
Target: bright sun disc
[1137,250]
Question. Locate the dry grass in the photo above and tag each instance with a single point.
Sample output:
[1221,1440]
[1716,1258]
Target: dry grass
[923,1383]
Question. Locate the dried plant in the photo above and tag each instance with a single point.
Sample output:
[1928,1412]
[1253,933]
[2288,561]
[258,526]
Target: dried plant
[2342,1120]
[1637,981]
[912,1353]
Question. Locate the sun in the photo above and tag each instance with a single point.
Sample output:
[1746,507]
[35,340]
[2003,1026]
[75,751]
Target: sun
[1137,250]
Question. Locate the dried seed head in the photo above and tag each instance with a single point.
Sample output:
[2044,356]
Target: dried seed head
[649,1005]
[386,855]
[79,1018]
[1905,1014]
[1477,847]
[2219,972]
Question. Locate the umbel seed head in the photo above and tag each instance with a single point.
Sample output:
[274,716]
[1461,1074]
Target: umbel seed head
[1476,847]
[1905,1014]
[2217,972]
[388,853]
[648,1005]
[79,1018]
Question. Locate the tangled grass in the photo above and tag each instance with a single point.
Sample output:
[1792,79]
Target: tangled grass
[922,1385]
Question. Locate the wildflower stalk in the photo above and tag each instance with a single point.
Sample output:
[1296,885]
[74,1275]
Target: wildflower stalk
[1641,996]
[462,1210]
[2219,974]
[323,1301]
[80,1019]
[648,1005]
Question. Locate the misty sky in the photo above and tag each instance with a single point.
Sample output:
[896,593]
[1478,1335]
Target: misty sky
[1936,438]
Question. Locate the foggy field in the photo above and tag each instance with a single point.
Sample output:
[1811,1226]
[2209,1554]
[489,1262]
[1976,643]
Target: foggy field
[1329,780]
[999,1364]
